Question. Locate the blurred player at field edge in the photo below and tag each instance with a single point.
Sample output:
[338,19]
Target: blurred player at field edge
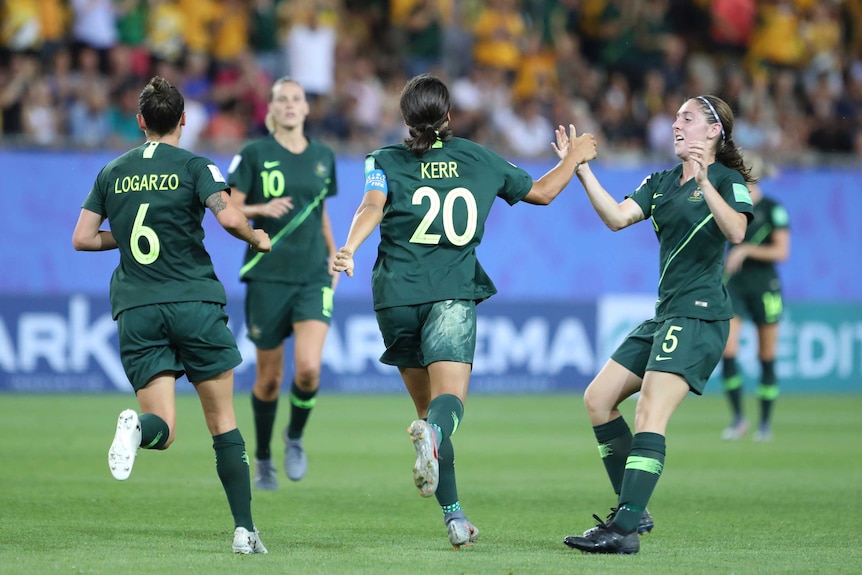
[755,289]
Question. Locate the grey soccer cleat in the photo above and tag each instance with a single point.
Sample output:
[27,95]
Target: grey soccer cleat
[736,431]
[763,433]
[426,470]
[246,542]
[295,461]
[124,448]
[462,532]
[264,475]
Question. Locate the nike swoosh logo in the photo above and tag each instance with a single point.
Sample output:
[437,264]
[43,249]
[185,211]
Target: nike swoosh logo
[269,165]
[654,196]
[662,357]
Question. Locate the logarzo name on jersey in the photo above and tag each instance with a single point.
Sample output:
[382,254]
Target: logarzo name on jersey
[147,183]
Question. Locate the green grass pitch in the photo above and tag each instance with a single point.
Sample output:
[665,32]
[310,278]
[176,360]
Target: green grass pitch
[528,470]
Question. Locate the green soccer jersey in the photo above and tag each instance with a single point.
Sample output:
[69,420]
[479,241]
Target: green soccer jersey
[153,197]
[263,170]
[434,218]
[769,216]
[691,246]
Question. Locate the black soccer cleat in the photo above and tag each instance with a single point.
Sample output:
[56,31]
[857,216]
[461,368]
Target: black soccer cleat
[646,523]
[602,540]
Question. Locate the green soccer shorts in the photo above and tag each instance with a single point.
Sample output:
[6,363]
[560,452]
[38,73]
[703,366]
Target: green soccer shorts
[185,337]
[685,346]
[419,335]
[271,309]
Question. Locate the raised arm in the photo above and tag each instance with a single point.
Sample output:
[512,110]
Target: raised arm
[573,151]
[615,215]
[235,222]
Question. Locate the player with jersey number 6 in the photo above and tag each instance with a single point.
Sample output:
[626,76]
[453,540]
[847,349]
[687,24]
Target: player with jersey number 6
[431,196]
[165,296]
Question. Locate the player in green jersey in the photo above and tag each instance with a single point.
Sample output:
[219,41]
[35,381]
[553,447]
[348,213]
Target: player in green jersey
[755,289]
[695,209]
[165,296]
[282,181]
[431,197]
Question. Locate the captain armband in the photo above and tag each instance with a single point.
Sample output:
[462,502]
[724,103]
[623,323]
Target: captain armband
[376,180]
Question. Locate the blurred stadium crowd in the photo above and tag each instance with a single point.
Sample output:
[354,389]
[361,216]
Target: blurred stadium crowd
[71,70]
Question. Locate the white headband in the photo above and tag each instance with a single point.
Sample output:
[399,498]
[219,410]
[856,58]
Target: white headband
[715,114]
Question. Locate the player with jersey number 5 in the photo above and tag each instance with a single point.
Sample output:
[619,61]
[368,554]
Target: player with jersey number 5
[696,208]
[431,196]
[755,288]
[165,296]
[282,182]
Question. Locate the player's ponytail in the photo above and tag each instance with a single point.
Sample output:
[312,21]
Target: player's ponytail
[727,152]
[425,108]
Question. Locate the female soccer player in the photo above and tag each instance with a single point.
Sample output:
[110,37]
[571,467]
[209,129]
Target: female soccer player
[165,296]
[755,289]
[282,182]
[695,208]
[431,196]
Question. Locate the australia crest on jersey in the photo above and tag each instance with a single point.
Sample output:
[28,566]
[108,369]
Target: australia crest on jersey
[320,170]
[696,195]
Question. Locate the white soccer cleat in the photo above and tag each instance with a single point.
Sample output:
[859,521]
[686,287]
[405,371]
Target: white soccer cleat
[246,542]
[462,532]
[426,470]
[124,448]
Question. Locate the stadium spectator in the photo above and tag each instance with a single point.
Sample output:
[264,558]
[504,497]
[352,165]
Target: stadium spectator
[427,314]
[231,29]
[42,118]
[499,36]
[22,73]
[696,208]
[591,40]
[171,324]
[421,30]
[90,117]
[94,26]
[265,36]
[282,181]
[310,46]
[166,22]
[755,290]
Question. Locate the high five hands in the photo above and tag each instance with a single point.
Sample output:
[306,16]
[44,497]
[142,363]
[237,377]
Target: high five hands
[583,147]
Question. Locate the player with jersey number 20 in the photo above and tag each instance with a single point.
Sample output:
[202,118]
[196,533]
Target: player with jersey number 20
[431,196]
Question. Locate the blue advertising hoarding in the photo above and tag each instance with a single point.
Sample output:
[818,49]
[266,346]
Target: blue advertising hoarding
[69,344]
